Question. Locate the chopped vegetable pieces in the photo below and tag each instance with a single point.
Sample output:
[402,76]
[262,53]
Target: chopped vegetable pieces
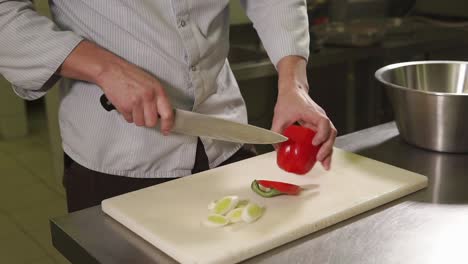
[225,204]
[216,220]
[235,215]
[230,210]
[252,212]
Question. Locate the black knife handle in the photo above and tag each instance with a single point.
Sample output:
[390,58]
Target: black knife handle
[106,104]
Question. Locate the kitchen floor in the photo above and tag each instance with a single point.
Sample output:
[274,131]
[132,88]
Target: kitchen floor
[27,197]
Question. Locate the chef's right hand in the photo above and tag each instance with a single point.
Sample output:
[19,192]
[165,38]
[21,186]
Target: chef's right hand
[135,93]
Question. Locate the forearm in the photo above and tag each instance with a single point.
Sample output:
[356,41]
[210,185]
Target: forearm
[292,70]
[89,62]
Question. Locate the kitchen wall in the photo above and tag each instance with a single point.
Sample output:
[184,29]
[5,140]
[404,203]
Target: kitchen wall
[12,113]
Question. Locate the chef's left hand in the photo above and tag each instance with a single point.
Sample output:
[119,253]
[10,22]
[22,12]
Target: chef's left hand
[295,105]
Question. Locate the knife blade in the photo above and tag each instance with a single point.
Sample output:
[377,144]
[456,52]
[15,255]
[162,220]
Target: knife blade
[199,125]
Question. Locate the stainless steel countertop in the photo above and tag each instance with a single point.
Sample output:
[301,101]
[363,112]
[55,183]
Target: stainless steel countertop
[429,226]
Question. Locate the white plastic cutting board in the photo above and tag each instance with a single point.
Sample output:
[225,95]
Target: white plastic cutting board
[170,215]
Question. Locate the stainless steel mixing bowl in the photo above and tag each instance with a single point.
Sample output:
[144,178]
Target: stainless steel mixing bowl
[430,102]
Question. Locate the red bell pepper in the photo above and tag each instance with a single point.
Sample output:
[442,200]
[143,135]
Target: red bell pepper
[297,154]
[267,188]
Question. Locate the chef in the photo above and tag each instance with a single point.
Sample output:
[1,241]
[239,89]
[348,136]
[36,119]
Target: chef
[148,57]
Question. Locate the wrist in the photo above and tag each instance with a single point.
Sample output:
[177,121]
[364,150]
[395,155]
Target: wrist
[292,74]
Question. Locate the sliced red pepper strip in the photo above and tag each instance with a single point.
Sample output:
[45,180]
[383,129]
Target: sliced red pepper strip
[269,189]
[283,187]
[263,191]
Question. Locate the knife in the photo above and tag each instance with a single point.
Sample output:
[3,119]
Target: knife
[199,125]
